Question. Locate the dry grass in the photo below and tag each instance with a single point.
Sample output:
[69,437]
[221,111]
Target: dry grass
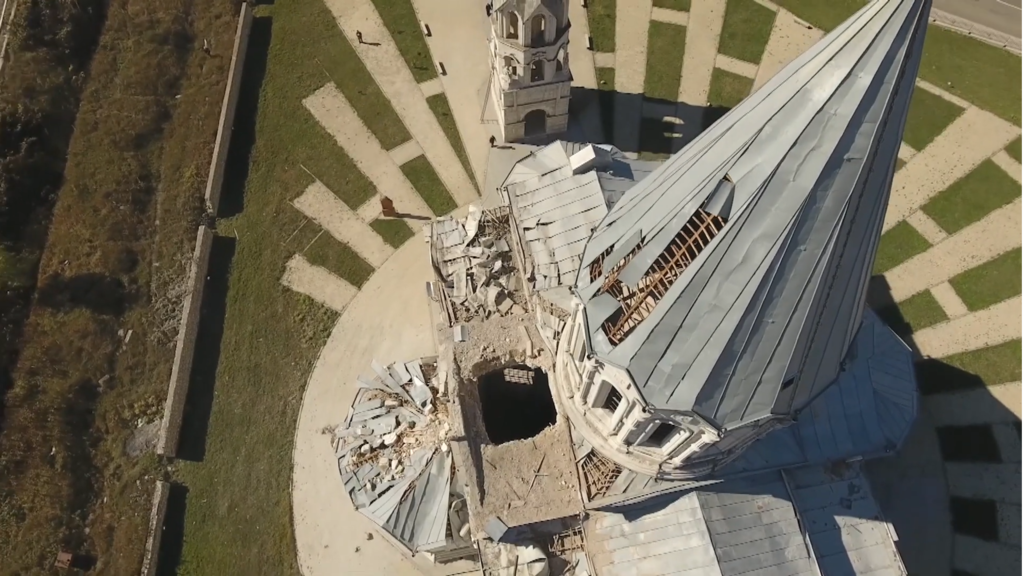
[129,202]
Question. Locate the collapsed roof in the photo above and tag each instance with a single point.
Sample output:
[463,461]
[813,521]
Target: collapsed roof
[731,281]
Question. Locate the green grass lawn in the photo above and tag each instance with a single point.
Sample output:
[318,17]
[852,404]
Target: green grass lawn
[601,20]
[990,283]
[237,517]
[984,75]
[823,14]
[929,115]
[726,90]
[915,313]
[901,243]
[681,5]
[1014,149]
[439,106]
[745,30]
[667,42]
[990,366]
[972,197]
[394,232]
[606,98]
[400,20]
[426,181]
[900,163]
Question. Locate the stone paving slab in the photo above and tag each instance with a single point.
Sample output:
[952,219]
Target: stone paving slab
[389,69]
[906,152]
[931,231]
[790,37]
[322,206]
[431,87]
[975,556]
[1007,163]
[972,138]
[333,111]
[999,403]
[999,482]
[949,300]
[318,283]
[994,325]
[632,20]
[581,61]
[976,244]
[405,152]
[604,59]
[736,66]
[669,16]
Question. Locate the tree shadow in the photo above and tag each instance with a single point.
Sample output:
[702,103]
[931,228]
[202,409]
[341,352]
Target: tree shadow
[243,134]
[172,540]
[199,401]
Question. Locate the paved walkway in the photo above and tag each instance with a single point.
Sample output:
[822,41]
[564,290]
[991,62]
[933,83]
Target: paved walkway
[332,110]
[456,25]
[972,138]
[994,325]
[322,206]
[392,307]
[702,32]
[789,38]
[318,283]
[631,23]
[392,74]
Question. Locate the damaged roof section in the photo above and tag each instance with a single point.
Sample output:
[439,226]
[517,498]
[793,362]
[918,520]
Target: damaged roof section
[741,265]
[394,458]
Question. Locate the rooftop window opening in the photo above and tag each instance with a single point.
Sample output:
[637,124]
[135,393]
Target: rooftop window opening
[612,399]
[663,432]
[635,305]
[516,403]
[598,264]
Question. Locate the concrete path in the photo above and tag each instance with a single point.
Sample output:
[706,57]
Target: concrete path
[1000,403]
[702,32]
[392,74]
[405,152]
[976,556]
[999,482]
[972,138]
[318,283]
[581,60]
[322,206]
[392,307]
[736,66]
[669,16]
[976,244]
[927,227]
[994,325]
[789,38]
[330,108]
[949,300]
[1007,163]
[632,20]
[459,32]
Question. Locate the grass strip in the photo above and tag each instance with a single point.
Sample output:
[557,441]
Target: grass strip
[822,14]
[439,106]
[1014,149]
[681,5]
[969,370]
[984,75]
[901,243]
[601,20]
[745,30]
[400,19]
[665,46]
[915,313]
[429,185]
[726,91]
[972,197]
[929,115]
[990,283]
[394,232]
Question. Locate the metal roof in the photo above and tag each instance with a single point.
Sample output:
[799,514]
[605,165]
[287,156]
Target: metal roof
[805,521]
[800,172]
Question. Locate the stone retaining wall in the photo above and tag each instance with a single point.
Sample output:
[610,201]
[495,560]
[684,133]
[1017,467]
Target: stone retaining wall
[156,528]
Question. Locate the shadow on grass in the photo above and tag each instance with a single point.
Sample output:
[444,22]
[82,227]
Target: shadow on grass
[199,401]
[243,135]
[173,539]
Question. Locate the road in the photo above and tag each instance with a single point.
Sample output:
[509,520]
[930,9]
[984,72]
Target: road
[1001,15]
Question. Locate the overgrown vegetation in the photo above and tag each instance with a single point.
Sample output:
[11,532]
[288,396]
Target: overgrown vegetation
[122,229]
[667,43]
[745,30]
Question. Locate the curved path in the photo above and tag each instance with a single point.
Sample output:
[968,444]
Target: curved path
[389,320]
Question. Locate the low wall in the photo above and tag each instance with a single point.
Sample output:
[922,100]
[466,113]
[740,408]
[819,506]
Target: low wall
[156,528]
[975,30]
[215,180]
[184,349]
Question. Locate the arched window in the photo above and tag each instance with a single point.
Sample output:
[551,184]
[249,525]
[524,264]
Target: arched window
[537,27]
[535,123]
[512,26]
[510,67]
[537,71]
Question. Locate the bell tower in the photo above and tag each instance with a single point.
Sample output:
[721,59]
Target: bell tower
[530,76]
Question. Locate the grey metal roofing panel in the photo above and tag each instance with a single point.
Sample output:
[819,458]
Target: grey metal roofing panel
[779,292]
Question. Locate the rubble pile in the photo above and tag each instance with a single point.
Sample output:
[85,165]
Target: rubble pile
[475,263]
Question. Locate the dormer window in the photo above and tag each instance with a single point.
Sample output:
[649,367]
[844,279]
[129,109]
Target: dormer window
[612,398]
[662,434]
